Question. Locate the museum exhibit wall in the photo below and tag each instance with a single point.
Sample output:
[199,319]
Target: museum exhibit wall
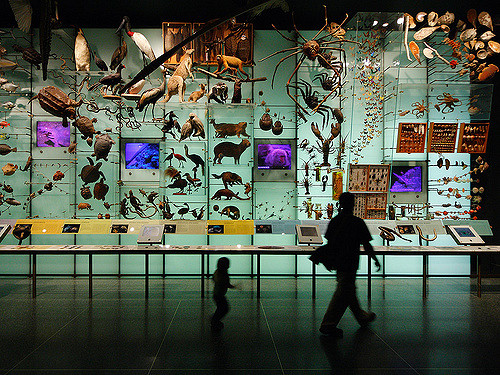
[380,90]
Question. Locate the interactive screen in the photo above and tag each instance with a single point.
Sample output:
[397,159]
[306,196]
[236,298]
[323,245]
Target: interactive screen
[274,156]
[406,179]
[308,231]
[142,156]
[464,232]
[52,134]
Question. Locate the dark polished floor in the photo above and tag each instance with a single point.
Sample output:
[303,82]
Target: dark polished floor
[118,332]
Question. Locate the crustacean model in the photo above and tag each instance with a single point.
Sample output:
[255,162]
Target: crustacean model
[314,50]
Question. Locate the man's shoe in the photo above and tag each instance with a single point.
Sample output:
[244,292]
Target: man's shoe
[370,317]
[332,332]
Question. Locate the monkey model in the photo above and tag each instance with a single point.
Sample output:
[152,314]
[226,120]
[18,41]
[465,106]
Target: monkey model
[229,62]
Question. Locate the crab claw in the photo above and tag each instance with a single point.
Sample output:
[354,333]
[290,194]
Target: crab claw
[316,131]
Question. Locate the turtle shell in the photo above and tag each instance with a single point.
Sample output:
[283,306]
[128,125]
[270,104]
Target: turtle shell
[86,126]
[100,190]
[57,103]
[91,173]
[277,128]
[85,192]
[102,146]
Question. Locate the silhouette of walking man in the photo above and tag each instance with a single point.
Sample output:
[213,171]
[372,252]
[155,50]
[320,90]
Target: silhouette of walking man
[221,284]
[344,234]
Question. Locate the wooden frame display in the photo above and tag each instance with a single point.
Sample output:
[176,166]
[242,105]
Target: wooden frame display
[358,177]
[411,137]
[174,33]
[473,138]
[378,178]
[370,206]
[227,39]
[442,137]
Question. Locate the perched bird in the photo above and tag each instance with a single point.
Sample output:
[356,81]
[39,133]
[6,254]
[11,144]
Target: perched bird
[139,39]
[183,210]
[180,184]
[151,96]
[179,157]
[99,62]
[186,130]
[82,53]
[118,56]
[110,80]
[199,129]
[196,159]
[170,124]
[196,182]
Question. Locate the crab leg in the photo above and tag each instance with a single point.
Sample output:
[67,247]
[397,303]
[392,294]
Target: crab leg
[301,60]
[275,53]
[276,69]
[287,38]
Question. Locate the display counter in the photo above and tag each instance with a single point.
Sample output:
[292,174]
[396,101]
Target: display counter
[206,250]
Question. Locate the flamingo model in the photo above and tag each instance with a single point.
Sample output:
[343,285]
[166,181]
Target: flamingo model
[139,39]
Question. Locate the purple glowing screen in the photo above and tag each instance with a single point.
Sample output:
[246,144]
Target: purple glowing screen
[142,156]
[405,179]
[52,134]
[274,156]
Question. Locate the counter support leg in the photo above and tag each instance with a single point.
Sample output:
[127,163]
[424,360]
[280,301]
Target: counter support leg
[369,280]
[479,276]
[164,273]
[251,267]
[258,275]
[90,276]
[313,281]
[296,274]
[202,276]
[146,272]
[424,276]
[33,278]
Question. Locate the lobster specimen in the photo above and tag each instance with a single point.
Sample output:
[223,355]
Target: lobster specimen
[324,144]
[314,49]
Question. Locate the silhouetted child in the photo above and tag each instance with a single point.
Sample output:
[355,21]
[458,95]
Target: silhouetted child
[221,284]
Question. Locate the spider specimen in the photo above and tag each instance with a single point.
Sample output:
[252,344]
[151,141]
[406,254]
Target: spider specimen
[419,109]
[314,49]
[327,82]
[449,102]
[312,100]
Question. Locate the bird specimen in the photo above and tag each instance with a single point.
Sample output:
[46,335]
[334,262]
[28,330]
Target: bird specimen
[82,53]
[118,56]
[151,96]
[110,80]
[139,39]
[196,159]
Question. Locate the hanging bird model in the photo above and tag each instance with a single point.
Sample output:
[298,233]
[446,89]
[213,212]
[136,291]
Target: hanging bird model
[110,80]
[82,53]
[151,96]
[139,39]
[118,56]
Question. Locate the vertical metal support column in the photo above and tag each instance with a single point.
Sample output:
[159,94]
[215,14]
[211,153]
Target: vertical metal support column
[296,265]
[479,276]
[164,273]
[202,276]
[258,275]
[369,287]
[74,266]
[33,277]
[252,273]
[383,266]
[207,275]
[146,276]
[424,276]
[119,265]
[30,272]
[313,281]
[90,276]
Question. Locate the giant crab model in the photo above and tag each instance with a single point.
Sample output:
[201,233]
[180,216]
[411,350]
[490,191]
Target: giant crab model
[315,49]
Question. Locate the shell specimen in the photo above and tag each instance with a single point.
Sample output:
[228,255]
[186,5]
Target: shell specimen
[100,190]
[484,19]
[266,122]
[415,51]
[58,176]
[102,146]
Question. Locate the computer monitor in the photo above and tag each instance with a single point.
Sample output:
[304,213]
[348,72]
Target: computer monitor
[309,234]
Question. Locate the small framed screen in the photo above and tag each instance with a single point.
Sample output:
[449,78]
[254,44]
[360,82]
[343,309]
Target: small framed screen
[408,182]
[308,234]
[52,134]
[275,159]
[150,234]
[465,234]
[142,155]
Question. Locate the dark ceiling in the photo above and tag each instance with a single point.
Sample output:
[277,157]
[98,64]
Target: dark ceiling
[308,14]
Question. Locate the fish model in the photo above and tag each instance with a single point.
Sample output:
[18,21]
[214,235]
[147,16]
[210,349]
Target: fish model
[6,149]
